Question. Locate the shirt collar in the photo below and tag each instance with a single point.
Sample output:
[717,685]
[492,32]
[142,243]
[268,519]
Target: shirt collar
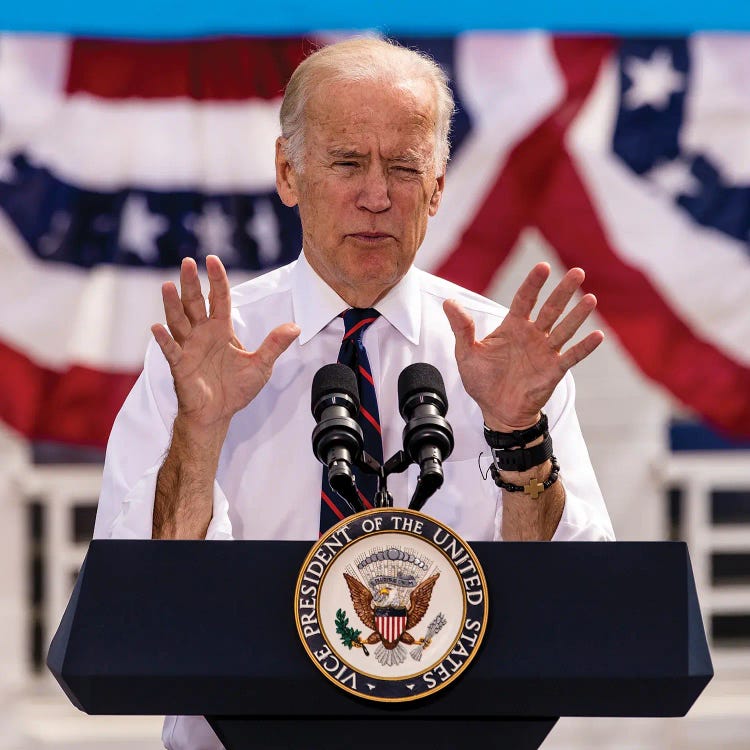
[316,304]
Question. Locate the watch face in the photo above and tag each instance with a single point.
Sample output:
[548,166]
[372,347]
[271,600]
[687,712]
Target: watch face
[522,459]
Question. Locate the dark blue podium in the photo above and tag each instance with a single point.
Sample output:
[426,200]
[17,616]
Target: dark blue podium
[575,629]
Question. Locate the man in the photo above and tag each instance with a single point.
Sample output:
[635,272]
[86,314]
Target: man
[213,442]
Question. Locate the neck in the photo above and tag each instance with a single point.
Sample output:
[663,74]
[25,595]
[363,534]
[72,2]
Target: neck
[359,296]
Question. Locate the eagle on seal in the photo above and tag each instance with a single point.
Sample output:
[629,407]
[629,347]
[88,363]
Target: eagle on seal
[369,606]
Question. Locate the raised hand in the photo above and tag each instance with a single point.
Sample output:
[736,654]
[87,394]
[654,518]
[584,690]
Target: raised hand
[214,376]
[512,372]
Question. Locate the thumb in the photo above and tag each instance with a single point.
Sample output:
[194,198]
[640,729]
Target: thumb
[276,343]
[461,323]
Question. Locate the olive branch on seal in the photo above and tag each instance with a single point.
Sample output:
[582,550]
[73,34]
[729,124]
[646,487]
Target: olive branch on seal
[349,636]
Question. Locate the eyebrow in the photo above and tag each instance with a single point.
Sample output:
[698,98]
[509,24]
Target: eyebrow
[345,153]
[409,157]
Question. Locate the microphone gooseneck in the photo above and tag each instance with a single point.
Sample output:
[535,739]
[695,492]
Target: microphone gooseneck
[428,438]
[337,438]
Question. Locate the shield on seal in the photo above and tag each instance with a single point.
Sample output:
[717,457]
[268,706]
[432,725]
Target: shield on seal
[390,623]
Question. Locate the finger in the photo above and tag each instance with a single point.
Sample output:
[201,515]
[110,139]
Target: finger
[169,347]
[581,350]
[179,325]
[461,323]
[190,292]
[553,308]
[566,328]
[528,293]
[219,296]
[276,343]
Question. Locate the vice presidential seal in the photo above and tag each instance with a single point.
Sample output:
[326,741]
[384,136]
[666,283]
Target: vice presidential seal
[391,605]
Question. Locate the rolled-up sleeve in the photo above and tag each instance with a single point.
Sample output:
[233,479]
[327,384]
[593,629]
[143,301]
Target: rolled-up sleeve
[585,516]
[135,452]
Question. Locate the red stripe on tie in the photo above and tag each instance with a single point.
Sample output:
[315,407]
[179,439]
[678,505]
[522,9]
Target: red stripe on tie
[327,500]
[366,414]
[364,500]
[366,375]
[359,325]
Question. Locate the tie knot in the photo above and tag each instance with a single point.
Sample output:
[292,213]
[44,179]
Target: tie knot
[357,320]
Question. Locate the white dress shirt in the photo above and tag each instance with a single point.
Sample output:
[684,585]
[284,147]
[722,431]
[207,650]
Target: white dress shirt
[268,480]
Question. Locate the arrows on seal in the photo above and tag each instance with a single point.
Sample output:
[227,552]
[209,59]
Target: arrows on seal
[432,629]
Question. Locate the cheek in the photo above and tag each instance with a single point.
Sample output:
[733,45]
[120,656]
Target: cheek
[415,198]
[319,214]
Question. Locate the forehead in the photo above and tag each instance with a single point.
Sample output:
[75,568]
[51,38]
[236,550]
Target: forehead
[343,114]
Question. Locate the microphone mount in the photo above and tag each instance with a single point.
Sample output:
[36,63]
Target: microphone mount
[337,438]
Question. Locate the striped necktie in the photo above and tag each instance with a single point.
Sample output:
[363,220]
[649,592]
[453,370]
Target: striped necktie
[353,354]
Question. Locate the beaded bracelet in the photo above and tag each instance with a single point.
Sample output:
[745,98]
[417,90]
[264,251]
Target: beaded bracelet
[534,488]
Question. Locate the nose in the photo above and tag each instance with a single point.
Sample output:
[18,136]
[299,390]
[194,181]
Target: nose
[373,195]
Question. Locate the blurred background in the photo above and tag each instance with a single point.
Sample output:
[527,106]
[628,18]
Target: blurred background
[616,140]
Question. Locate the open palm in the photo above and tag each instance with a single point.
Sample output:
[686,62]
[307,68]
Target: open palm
[512,372]
[214,376]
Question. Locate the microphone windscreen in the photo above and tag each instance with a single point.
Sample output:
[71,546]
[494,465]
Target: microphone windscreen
[335,378]
[418,378]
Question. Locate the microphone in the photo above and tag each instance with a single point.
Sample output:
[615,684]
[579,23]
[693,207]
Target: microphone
[337,438]
[428,438]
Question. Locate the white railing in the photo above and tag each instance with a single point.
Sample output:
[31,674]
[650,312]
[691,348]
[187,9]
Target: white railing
[60,489]
[697,475]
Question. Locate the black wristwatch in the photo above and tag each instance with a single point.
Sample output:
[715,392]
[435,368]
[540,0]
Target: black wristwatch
[522,459]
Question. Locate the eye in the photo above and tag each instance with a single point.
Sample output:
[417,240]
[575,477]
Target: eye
[407,170]
[345,164]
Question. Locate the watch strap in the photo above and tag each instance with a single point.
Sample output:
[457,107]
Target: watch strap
[517,438]
[522,459]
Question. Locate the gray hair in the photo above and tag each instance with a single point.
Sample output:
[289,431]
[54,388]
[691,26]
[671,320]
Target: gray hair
[363,59]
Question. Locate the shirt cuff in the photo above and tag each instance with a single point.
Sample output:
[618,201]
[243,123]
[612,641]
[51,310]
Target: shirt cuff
[576,524]
[136,516]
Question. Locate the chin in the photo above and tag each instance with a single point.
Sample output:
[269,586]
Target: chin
[375,274]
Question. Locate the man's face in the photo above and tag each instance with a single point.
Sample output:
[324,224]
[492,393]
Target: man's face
[368,183]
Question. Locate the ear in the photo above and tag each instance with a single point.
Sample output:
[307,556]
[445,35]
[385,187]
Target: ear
[437,194]
[286,176]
